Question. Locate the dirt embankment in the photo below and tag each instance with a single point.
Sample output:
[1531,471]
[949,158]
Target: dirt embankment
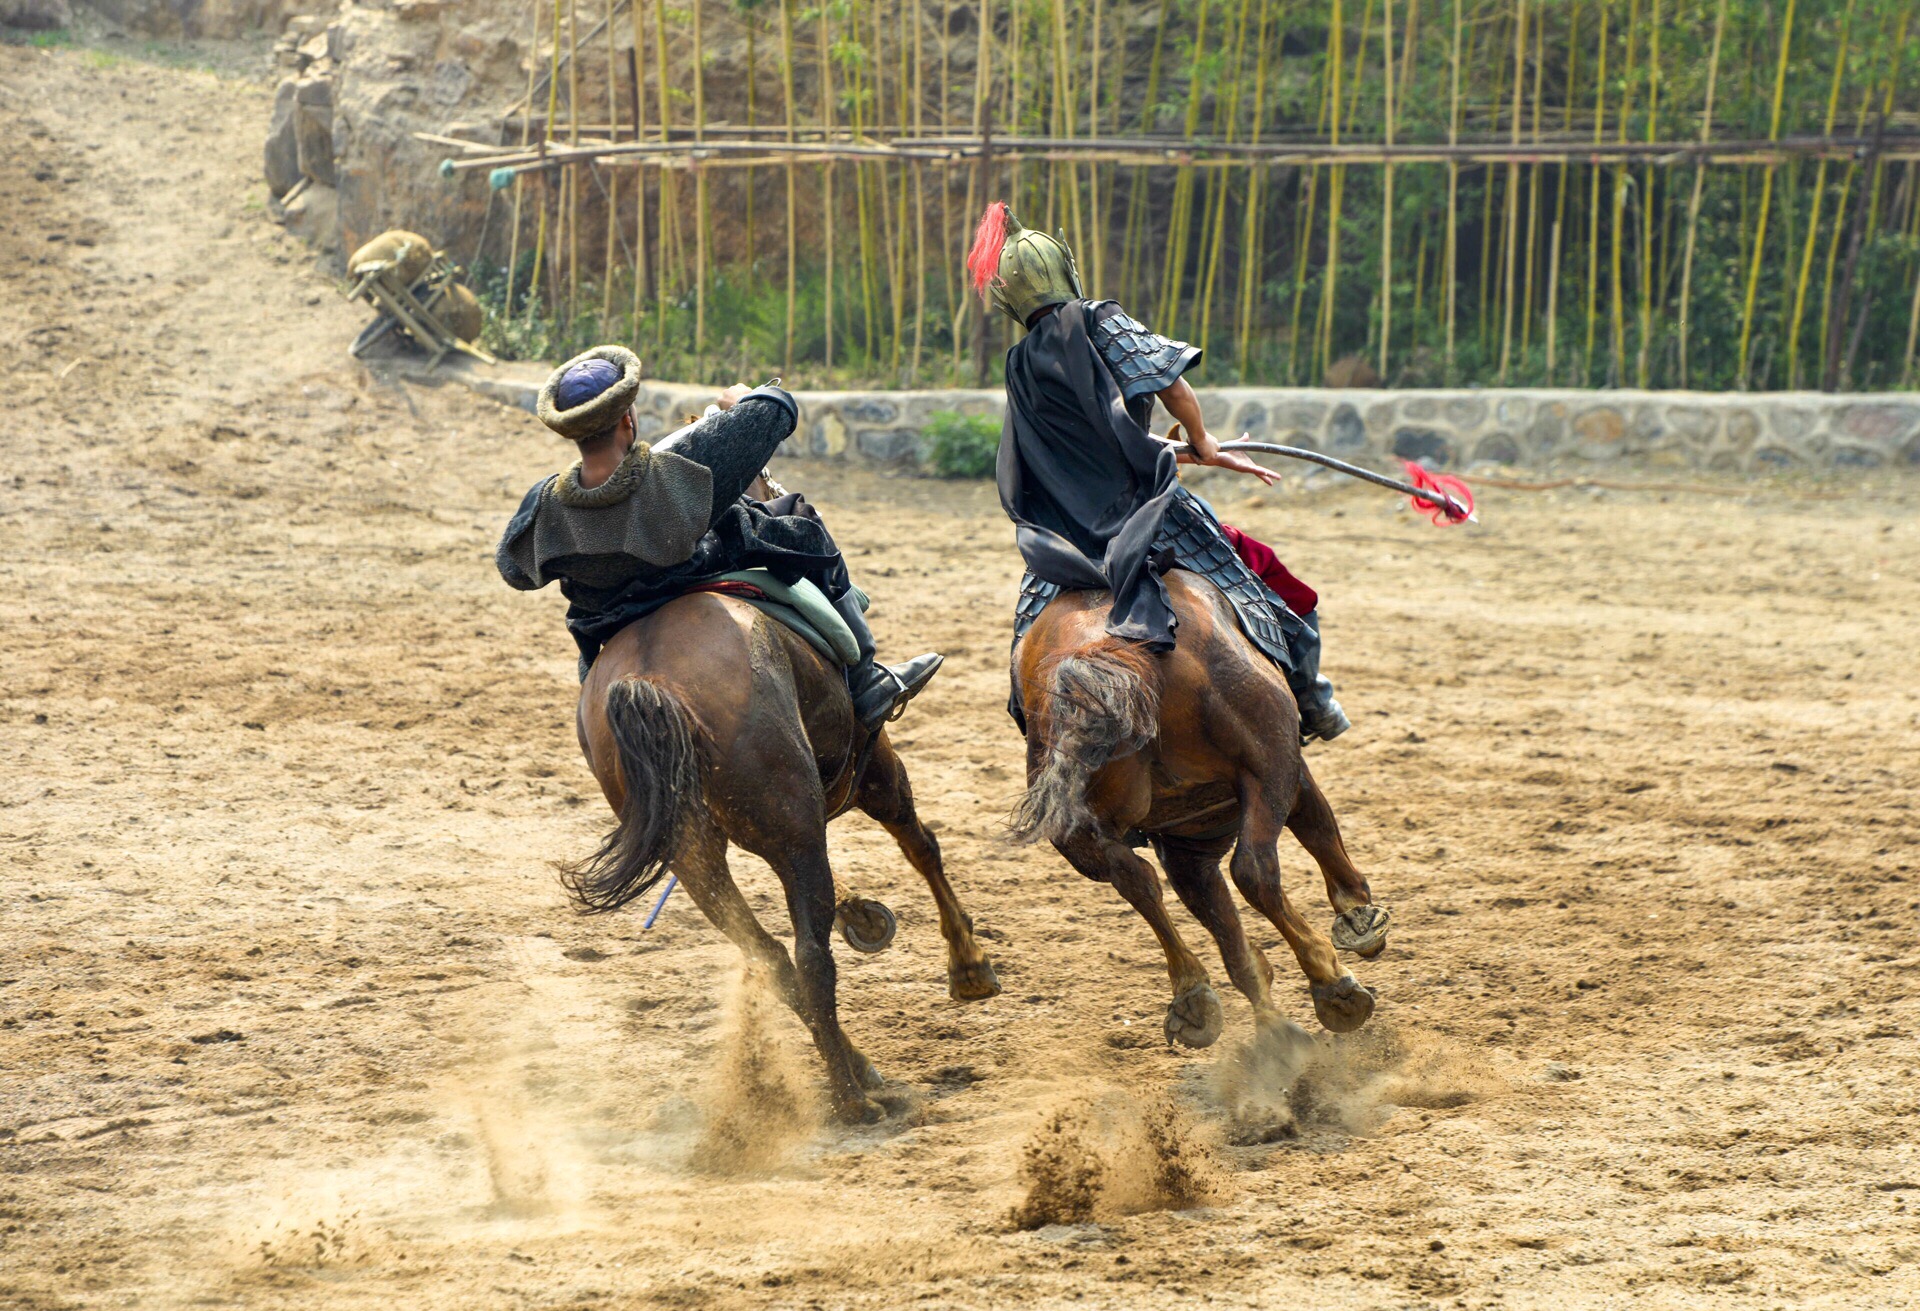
[292,1014]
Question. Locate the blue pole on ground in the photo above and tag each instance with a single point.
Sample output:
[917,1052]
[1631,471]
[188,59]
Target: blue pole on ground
[661,904]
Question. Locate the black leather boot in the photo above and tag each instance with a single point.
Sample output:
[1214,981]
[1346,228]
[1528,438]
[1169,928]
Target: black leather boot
[1321,718]
[880,692]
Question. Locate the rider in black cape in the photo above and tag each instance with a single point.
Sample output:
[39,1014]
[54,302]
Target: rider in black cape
[1094,494]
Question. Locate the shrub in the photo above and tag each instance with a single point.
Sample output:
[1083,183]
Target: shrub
[962,445]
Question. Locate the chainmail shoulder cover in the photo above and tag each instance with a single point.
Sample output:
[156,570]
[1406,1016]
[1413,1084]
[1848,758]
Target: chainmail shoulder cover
[1141,360]
[1194,539]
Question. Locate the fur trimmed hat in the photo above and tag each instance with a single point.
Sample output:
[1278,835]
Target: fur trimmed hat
[599,412]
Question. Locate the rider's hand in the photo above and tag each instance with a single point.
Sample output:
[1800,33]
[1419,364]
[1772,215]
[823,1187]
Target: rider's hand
[733,395]
[1239,463]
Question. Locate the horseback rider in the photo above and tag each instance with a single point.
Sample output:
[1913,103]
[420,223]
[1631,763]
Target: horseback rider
[1096,495]
[632,525]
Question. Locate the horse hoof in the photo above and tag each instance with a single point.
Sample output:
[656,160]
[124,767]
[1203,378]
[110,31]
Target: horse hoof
[1362,930]
[972,981]
[865,925]
[1194,1018]
[1342,1005]
[859,1109]
[865,1072]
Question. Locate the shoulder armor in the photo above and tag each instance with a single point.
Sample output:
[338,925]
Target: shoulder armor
[1142,361]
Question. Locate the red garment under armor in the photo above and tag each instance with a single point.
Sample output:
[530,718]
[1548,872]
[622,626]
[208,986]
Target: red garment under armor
[1259,557]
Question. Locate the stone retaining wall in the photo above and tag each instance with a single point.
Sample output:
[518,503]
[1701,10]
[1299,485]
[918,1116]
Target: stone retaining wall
[1454,429]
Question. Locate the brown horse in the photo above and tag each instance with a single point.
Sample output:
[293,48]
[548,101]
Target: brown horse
[1199,750]
[706,722]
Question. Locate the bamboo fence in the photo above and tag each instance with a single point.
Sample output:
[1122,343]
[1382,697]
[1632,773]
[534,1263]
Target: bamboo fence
[1646,192]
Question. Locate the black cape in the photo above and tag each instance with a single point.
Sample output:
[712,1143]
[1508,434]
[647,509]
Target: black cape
[1084,482]
[785,536]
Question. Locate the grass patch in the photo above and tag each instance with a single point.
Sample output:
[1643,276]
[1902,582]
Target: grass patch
[962,445]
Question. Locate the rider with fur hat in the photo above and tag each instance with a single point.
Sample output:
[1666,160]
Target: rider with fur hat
[632,525]
[1095,495]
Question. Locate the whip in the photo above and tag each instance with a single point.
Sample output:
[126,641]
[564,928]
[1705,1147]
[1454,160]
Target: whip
[1449,499]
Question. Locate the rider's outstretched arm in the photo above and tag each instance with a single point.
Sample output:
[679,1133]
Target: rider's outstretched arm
[737,442]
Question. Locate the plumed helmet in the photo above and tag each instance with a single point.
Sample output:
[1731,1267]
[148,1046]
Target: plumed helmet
[1019,270]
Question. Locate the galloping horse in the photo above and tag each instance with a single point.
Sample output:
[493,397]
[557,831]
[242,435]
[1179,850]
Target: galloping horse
[1199,750]
[706,722]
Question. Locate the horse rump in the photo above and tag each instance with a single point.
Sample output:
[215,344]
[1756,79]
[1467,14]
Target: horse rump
[1101,702]
[656,738]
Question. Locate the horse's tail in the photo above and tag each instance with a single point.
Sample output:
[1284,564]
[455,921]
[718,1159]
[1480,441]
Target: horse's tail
[1102,702]
[661,763]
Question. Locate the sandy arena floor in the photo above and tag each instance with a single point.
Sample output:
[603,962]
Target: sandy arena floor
[292,1013]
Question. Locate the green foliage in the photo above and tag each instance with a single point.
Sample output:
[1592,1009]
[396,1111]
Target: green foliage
[59,36]
[962,445]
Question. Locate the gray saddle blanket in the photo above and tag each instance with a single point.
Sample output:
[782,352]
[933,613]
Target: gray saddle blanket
[1190,539]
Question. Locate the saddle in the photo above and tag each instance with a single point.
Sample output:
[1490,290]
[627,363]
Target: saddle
[801,606]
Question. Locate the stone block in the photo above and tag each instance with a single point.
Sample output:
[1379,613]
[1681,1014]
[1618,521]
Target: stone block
[1513,411]
[1381,419]
[1548,431]
[1252,420]
[1497,448]
[1465,413]
[1425,445]
[450,83]
[313,129]
[1296,421]
[314,217]
[1743,429]
[1866,457]
[281,163]
[1696,426]
[36,15]
[1420,409]
[892,445]
[869,410]
[1345,432]
[1883,425]
[1599,432]
[829,436]
[1792,424]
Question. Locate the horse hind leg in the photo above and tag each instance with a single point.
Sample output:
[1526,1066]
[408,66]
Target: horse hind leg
[808,879]
[1194,1018]
[1196,879]
[1359,926]
[1340,1002]
[704,873]
[887,797]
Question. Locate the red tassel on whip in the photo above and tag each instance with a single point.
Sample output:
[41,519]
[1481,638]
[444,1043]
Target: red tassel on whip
[989,239]
[1450,487]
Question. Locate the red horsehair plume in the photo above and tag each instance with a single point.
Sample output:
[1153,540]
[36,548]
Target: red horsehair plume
[1446,485]
[989,239]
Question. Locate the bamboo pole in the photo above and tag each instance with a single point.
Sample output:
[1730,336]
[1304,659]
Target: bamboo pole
[670,264]
[1593,200]
[1182,215]
[1250,232]
[1642,359]
[636,63]
[613,178]
[1533,191]
[1453,192]
[546,131]
[1336,46]
[1699,184]
[793,205]
[826,173]
[1513,184]
[1766,200]
[700,218]
[1813,218]
[1617,347]
[573,171]
[526,134]
[1386,184]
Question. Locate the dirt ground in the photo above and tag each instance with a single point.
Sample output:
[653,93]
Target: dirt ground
[293,1014]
